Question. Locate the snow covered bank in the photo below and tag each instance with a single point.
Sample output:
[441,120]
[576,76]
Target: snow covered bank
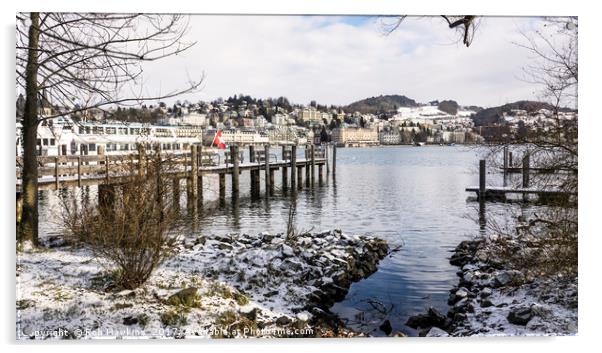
[261,285]
[493,300]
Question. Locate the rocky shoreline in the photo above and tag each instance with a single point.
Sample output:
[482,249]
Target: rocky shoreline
[235,285]
[492,299]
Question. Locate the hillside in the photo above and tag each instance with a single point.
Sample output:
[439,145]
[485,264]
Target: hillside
[491,115]
[381,104]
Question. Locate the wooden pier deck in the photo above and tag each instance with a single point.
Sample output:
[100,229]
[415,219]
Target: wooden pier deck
[79,170]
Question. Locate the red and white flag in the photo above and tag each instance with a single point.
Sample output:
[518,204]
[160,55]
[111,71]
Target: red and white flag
[219,140]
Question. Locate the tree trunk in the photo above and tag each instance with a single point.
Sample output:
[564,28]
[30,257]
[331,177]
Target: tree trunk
[28,229]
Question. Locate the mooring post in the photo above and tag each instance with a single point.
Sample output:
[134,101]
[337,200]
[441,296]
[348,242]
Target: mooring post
[222,186]
[482,176]
[267,169]
[293,166]
[235,170]
[313,164]
[334,159]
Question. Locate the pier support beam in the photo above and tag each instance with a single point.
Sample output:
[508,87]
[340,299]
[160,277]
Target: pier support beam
[222,186]
[253,174]
[320,175]
[235,170]
[300,177]
[313,164]
[505,165]
[293,166]
[482,180]
[267,170]
[526,171]
[284,171]
[193,176]
[334,159]
[327,157]
[272,170]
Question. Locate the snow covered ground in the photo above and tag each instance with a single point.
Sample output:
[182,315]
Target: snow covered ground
[260,285]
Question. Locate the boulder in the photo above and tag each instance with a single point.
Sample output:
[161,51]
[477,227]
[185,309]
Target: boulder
[520,315]
[283,320]
[386,327]
[437,332]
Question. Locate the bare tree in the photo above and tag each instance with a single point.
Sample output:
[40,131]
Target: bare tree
[552,146]
[80,61]
[465,25]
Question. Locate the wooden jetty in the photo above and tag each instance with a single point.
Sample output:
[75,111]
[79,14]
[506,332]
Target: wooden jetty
[500,193]
[72,171]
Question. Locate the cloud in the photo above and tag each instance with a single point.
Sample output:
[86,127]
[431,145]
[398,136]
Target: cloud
[338,60]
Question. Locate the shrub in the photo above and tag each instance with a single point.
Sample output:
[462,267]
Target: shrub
[131,225]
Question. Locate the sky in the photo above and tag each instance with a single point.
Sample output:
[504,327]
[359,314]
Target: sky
[342,59]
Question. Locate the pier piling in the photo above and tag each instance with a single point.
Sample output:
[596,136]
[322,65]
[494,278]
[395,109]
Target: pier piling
[293,165]
[334,159]
[267,170]
[313,164]
[235,170]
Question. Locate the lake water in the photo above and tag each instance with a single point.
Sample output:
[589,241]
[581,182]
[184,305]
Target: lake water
[413,197]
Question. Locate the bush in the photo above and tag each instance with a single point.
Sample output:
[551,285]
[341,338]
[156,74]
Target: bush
[131,225]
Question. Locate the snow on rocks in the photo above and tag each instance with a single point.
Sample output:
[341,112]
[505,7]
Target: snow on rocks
[262,285]
[491,299]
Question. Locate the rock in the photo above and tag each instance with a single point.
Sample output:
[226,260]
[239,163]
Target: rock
[502,279]
[433,317]
[130,320]
[287,251]
[386,327]
[437,332]
[520,315]
[485,303]
[283,320]
[302,316]
[486,292]
[468,277]
[461,293]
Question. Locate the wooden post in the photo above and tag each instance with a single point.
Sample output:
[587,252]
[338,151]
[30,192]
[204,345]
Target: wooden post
[482,176]
[334,159]
[222,186]
[313,164]
[320,176]
[106,199]
[235,170]
[327,157]
[307,167]
[107,168]
[267,169]
[526,168]
[79,171]
[56,173]
[300,177]
[200,172]
[272,181]
[284,170]
[193,178]
[175,186]
[293,165]
[510,159]
[505,165]
[253,173]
